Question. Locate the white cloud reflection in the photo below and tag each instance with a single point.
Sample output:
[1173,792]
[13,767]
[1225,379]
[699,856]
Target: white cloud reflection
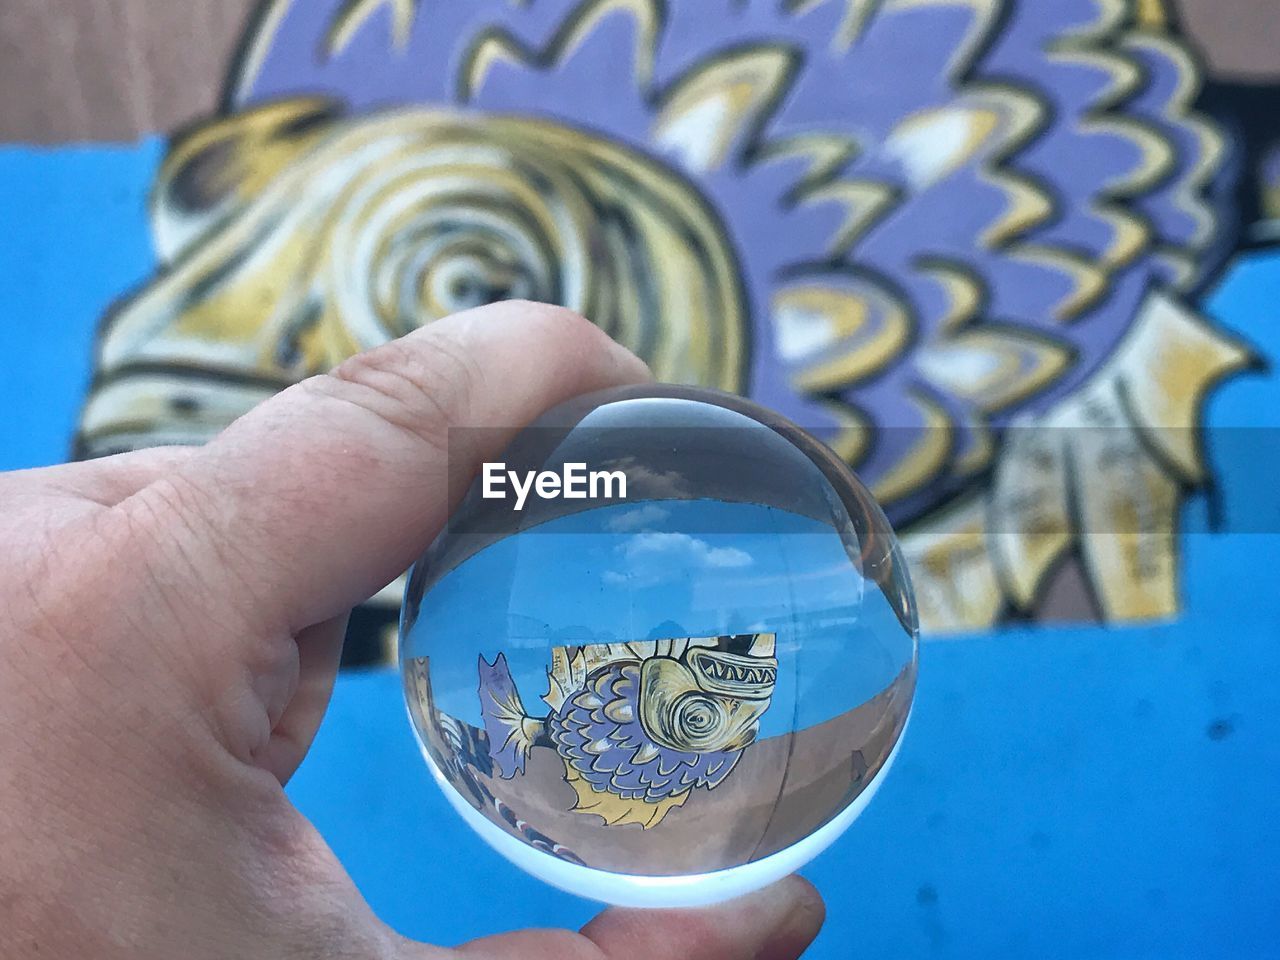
[654,557]
[638,519]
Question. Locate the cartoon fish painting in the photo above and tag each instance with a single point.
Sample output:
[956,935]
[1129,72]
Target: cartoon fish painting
[638,726]
[964,242]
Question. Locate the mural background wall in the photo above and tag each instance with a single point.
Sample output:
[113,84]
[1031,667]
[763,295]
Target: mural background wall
[1012,260]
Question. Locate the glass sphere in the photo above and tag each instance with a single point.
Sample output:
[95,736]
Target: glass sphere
[677,668]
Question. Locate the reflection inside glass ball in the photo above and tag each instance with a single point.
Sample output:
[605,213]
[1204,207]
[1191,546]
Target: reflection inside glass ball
[676,689]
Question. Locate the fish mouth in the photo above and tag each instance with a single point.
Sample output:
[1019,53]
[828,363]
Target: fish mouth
[152,405]
[734,675]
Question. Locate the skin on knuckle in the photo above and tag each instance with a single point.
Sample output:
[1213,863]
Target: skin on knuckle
[186,555]
[420,387]
[171,507]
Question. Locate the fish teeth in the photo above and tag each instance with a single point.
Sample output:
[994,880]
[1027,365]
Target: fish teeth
[718,670]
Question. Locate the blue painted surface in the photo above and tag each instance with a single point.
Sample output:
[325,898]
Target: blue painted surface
[73,237]
[1067,793]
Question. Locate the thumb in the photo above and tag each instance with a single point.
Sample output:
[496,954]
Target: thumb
[330,489]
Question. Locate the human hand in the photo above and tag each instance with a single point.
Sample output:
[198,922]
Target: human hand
[170,627]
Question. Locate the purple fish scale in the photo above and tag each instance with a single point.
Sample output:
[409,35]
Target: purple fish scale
[558,94]
[611,765]
[1177,227]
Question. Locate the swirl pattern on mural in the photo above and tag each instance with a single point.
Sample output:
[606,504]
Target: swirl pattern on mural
[959,240]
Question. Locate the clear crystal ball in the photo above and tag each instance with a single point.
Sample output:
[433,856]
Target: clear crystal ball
[679,666]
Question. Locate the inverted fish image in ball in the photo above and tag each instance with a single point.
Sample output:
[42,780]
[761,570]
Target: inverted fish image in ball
[629,729]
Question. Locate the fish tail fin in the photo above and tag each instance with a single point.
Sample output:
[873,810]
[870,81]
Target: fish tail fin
[510,729]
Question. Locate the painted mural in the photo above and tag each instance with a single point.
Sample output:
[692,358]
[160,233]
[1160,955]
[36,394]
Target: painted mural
[963,241]
[639,726]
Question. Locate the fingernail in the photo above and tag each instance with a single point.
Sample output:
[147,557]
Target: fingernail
[632,366]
